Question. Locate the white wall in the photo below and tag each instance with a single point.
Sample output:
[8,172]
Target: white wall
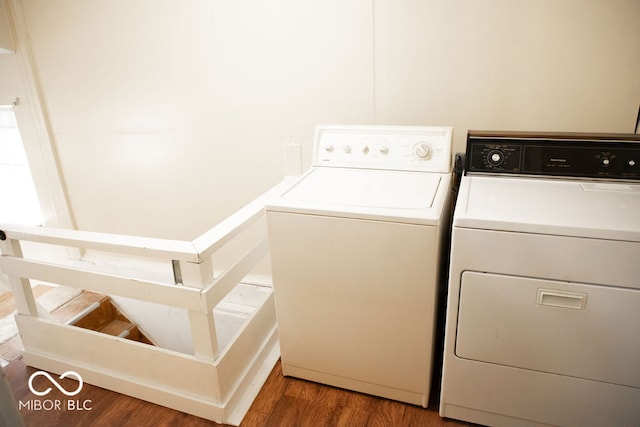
[168,116]
[566,65]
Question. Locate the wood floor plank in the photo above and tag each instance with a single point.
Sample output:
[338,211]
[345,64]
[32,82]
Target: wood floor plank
[352,416]
[12,348]
[76,305]
[303,390]
[267,399]
[291,411]
[386,413]
[8,304]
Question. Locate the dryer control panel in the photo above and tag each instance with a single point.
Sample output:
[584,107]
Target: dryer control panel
[580,155]
[410,148]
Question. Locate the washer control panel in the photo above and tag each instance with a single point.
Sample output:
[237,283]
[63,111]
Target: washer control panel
[411,148]
[581,155]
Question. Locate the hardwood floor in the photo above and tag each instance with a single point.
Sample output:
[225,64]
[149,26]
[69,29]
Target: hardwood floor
[286,401]
[283,401]
[107,408]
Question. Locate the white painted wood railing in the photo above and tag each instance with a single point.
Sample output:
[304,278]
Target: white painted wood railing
[193,288]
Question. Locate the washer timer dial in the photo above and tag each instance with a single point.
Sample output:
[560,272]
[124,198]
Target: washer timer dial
[423,150]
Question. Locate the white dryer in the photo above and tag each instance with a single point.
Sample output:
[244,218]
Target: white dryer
[356,246]
[543,309]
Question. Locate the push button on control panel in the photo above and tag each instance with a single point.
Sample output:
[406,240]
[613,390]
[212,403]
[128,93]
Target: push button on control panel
[606,159]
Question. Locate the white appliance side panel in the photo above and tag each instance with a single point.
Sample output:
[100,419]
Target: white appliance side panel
[583,331]
[356,298]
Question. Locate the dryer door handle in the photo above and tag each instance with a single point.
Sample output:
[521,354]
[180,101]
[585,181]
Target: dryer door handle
[563,299]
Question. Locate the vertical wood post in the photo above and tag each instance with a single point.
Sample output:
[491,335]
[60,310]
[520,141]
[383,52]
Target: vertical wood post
[202,323]
[196,275]
[21,287]
[203,333]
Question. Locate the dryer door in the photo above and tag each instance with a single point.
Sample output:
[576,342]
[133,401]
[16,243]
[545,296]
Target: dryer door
[580,330]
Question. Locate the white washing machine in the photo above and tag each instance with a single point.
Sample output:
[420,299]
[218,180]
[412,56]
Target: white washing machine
[543,309]
[356,249]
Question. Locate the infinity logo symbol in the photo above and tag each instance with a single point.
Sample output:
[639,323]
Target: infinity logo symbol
[55,383]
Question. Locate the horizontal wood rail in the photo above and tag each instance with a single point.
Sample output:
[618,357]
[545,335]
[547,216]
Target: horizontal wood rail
[193,251]
[119,243]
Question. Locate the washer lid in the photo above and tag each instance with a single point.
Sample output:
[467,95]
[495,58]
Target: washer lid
[404,196]
[605,210]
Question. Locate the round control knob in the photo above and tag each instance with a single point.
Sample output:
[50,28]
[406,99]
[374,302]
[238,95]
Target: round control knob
[631,163]
[329,148]
[365,149]
[495,157]
[605,161]
[347,149]
[384,150]
[423,150]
